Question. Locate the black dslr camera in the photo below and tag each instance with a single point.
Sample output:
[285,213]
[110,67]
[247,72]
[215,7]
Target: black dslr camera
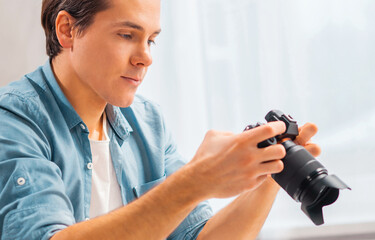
[304,178]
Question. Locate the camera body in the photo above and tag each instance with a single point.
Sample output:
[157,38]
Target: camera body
[304,178]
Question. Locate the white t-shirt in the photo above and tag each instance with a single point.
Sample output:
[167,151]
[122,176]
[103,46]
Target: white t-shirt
[105,190]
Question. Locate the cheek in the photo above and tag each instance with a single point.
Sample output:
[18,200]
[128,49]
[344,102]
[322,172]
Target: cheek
[100,64]
[98,59]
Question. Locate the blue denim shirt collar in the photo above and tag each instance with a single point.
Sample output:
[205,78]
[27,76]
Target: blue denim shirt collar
[116,119]
[118,122]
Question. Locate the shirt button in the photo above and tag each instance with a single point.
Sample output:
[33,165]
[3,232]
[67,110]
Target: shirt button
[21,181]
[82,126]
[89,166]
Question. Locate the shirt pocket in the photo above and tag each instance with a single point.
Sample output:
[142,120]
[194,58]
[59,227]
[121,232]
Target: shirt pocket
[143,188]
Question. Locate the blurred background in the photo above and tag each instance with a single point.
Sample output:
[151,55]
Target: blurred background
[222,65]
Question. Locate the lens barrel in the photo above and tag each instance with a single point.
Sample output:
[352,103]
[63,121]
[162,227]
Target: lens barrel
[307,181]
[300,169]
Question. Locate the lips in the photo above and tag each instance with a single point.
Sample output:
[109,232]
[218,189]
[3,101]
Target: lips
[134,80]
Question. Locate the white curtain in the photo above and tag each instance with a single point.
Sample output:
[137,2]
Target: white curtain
[224,64]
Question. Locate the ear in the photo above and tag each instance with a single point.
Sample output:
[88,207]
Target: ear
[64,29]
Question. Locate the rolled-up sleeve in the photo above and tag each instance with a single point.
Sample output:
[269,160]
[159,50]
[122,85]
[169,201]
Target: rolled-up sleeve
[193,224]
[33,203]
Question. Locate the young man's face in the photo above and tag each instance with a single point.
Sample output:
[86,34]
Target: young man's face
[113,54]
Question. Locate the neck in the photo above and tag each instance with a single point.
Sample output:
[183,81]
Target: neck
[89,105]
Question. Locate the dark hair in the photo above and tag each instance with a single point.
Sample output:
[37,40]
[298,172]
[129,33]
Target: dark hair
[82,10]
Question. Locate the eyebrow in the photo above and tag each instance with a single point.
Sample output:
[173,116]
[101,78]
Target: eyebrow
[135,26]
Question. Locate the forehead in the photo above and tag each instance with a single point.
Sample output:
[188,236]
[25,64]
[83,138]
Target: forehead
[145,13]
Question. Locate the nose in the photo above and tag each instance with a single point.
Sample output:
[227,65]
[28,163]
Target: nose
[142,56]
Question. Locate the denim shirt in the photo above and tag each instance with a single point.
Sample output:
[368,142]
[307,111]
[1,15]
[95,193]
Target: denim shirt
[45,158]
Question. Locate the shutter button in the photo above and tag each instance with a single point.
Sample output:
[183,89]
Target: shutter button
[21,181]
[89,166]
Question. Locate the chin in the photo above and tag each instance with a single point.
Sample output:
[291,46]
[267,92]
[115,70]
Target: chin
[122,102]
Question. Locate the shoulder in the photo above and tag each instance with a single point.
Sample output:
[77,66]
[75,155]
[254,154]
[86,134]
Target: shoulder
[22,100]
[23,88]
[19,95]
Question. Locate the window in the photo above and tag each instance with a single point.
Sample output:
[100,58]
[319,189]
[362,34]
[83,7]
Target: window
[230,62]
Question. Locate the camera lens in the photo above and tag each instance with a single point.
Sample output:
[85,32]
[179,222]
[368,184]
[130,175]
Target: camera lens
[307,181]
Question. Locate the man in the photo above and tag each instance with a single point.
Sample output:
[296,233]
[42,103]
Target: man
[79,150]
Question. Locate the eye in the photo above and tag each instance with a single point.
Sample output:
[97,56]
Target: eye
[126,36]
[151,42]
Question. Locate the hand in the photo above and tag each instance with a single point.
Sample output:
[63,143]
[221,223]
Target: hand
[227,164]
[306,132]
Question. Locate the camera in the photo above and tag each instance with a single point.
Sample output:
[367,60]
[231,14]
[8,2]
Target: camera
[304,178]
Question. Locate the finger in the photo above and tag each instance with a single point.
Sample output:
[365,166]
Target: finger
[313,148]
[272,152]
[271,167]
[265,131]
[306,132]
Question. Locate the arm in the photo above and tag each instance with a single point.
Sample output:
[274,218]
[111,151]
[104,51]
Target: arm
[38,207]
[153,216]
[245,216]
[223,160]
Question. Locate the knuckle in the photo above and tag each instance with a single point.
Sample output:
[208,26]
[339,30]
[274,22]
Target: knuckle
[228,133]
[240,139]
[210,133]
